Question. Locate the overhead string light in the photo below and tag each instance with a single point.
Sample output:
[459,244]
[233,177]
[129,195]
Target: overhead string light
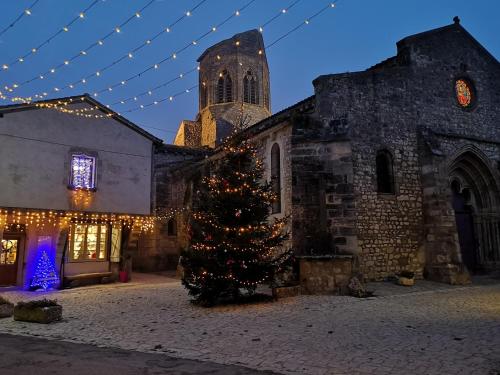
[157,65]
[34,50]
[60,105]
[171,56]
[81,53]
[169,98]
[260,52]
[277,15]
[132,53]
[307,21]
[26,12]
[196,68]
[150,91]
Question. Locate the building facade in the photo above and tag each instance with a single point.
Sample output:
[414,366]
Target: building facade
[73,189]
[395,166]
[233,90]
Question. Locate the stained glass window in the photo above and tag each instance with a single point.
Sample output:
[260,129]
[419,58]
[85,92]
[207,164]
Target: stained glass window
[82,172]
[463,92]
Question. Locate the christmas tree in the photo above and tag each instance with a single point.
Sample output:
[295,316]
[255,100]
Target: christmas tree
[45,275]
[234,246]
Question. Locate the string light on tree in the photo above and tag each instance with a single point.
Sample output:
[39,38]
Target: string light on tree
[45,275]
[233,244]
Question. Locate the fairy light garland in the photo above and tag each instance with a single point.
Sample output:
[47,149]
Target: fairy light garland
[132,52]
[34,50]
[20,218]
[123,82]
[66,62]
[236,249]
[196,68]
[172,56]
[170,98]
[307,21]
[24,13]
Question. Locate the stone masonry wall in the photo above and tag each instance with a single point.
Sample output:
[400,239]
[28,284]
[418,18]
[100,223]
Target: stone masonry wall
[383,108]
[173,168]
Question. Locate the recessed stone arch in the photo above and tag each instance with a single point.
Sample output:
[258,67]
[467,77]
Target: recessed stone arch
[475,200]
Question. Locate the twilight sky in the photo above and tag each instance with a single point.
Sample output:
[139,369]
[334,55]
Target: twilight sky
[353,36]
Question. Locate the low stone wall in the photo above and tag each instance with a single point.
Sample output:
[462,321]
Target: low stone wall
[325,274]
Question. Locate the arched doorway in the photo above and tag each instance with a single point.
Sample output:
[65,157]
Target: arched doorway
[475,200]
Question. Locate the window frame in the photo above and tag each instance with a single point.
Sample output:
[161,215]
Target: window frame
[93,176]
[172,230]
[389,162]
[276,207]
[224,89]
[472,88]
[250,88]
[84,257]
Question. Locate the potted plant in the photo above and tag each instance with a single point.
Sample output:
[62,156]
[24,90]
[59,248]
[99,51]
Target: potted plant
[406,278]
[39,311]
[6,308]
[126,269]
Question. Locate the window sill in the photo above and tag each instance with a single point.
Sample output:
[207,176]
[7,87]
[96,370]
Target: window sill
[387,195]
[70,187]
[88,261]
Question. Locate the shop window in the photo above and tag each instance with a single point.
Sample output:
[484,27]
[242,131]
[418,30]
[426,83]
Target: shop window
[8,251]
[88,242]
[82,172]
[116,240]
[276,177]
[385,172]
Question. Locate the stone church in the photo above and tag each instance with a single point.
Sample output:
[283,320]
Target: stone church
[394,168]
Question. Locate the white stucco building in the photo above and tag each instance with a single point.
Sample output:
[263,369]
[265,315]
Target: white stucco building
[76,180]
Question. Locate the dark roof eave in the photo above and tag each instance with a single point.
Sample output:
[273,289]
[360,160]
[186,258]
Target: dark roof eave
[78,99]
[274,120]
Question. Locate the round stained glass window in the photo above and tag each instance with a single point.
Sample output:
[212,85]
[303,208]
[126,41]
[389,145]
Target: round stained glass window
[463,91]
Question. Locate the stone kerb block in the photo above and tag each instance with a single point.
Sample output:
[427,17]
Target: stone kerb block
[325,274]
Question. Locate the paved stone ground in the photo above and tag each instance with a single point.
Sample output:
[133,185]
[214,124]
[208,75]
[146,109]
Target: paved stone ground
[428,329]
[23,355]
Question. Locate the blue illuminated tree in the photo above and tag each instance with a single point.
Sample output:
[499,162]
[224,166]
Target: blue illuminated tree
[45,275]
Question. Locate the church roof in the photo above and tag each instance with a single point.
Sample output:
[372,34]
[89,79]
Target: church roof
[416,38]
[85,98]
[455,26]
[251,35]
[279,117]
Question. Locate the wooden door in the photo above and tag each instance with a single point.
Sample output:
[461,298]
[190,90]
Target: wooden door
[465,229]
[466,238]
[9,255]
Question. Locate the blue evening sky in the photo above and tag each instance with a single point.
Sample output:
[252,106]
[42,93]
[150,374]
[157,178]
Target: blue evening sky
[353,36]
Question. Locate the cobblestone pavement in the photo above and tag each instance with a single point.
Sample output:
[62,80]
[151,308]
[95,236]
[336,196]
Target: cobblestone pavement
[23,355]
[428,329]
